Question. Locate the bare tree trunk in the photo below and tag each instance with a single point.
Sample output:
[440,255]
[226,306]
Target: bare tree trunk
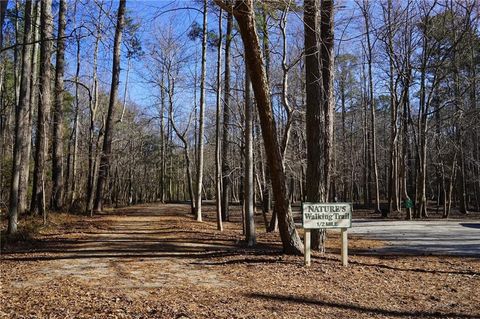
[17,63]
[315,187]
[405,145]
[371,102]
[245,17]
[44,105]
[421,199]
[249,183]
[189,178]
[93,111]
[25,171]
[162,142]
[366,144]
[475,136]
[319,89]
[198,205]
[448,198]
[393,169]
[125,90]
[226,122]
[21,122]
[218,166]
[285,69]
[327,64]
[107,140]
[57,139]
[462,194]
[72,187]
[267,197]
[344,169]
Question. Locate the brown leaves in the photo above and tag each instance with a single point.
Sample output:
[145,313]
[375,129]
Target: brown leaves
[164,265]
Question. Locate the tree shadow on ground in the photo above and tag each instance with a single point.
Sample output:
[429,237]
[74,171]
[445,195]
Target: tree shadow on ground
[119,239]
[394,268]
[358,308]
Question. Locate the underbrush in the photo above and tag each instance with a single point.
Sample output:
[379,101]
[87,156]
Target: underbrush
[29,227]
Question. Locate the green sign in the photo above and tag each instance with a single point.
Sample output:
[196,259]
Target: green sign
[408,203]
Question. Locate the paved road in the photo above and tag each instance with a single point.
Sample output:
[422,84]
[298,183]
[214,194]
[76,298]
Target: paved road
[437,237]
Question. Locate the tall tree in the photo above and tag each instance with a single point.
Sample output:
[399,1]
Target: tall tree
[327,69]
[245,16]
[107,139]
[393,184]
[315,188]
[218,164]
[199,181]
[25,171]
[319,101]
[249,185]
[91,179]
[226,121]
[365,9]
[21,121]
[57,140]
[44,106]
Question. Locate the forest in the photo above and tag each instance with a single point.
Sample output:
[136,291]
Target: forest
[146,145]
[373,103]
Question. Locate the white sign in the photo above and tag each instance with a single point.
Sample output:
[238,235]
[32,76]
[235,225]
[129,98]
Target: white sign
[326,215]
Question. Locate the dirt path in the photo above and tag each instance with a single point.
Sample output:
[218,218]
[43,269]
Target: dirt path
[155,262]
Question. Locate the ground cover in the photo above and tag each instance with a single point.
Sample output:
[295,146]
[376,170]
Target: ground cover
[154,261]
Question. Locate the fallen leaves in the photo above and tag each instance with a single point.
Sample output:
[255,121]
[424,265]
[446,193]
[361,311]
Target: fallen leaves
[156,262]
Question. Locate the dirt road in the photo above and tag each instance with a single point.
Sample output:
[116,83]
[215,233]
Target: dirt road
[156,262]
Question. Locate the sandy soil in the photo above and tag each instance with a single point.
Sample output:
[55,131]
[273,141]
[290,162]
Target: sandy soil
[156,262]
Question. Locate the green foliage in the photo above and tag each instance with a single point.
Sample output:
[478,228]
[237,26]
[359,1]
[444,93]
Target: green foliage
[131,39]
[449,38]
[196,32]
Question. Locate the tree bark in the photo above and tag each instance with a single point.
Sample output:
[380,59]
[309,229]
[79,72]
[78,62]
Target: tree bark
[107,139]
[57,140]
[198,205]
[393,165]
[218,164]
[44,106]
[91,132]
[371,102]
[249,183]
[327,64]
[245,17]
[25,171]
[21,122]
[319,102]
[226,122]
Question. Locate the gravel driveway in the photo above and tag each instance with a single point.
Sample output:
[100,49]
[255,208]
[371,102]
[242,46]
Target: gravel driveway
[433,237]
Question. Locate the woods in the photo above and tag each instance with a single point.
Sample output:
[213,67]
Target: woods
[173,159]
[257,104]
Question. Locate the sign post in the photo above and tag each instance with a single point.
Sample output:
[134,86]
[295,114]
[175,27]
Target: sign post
[344,246]
[307,247]
[323,216]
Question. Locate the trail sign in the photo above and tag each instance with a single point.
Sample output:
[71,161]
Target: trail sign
[408,203]
[326,215]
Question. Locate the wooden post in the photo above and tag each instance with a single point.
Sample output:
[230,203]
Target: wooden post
[344,247]
[307,247]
